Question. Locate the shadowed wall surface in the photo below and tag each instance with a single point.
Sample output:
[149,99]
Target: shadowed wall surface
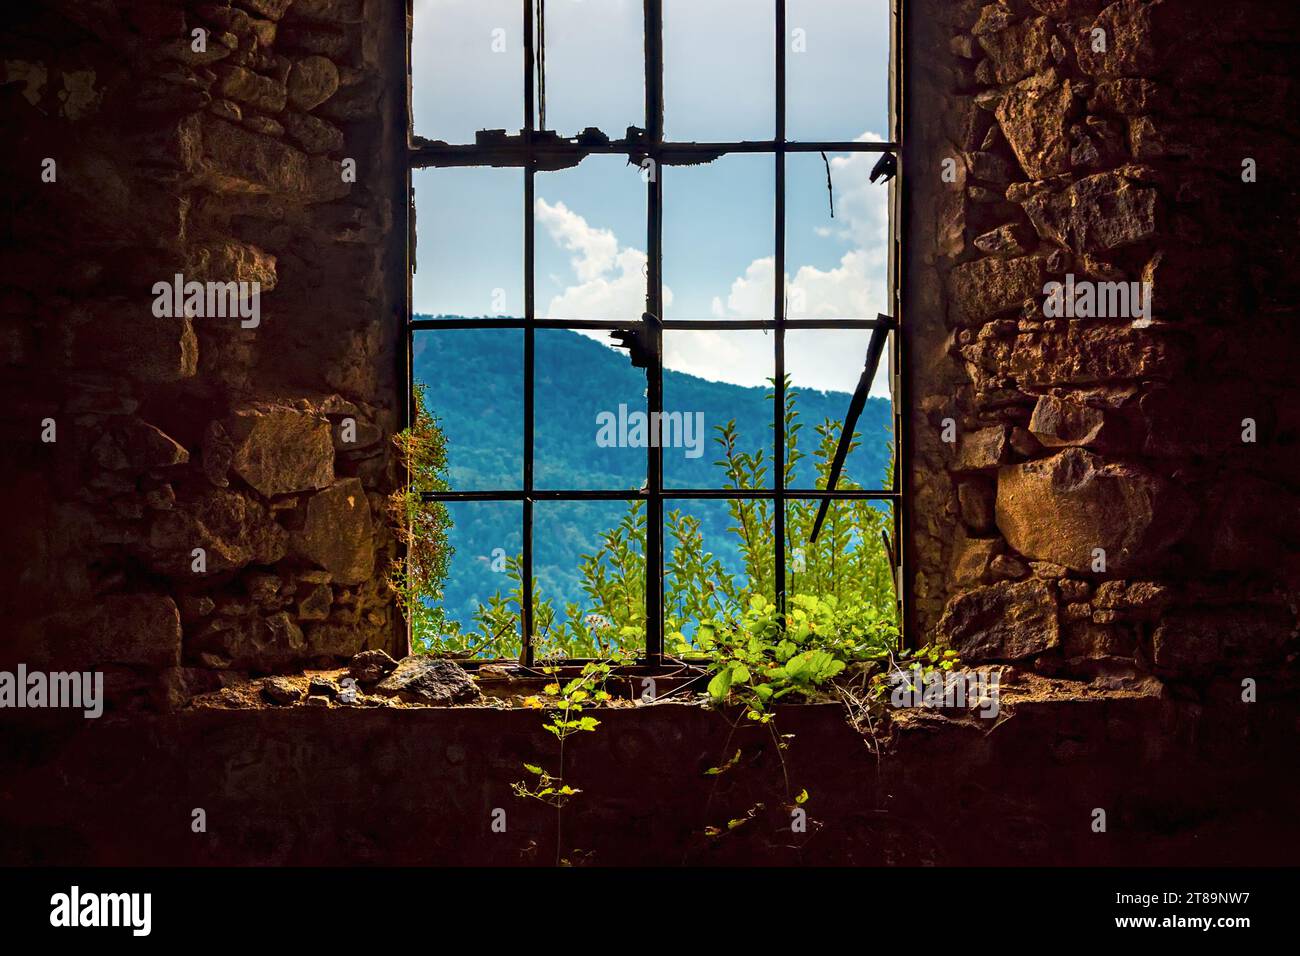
[1068,435]
[421,786]
[1129,142]
[262,157]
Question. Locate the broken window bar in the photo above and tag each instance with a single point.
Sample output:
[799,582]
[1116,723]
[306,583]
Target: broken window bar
[901,392]
[509,150]
[857,403]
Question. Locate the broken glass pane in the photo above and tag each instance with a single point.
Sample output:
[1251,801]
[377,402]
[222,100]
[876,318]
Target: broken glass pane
[590,241]
[824,367]
[467,71]
[718,408]
[717,553]
[469,249]
[594,66]
[719,70]
[837,266]
[589,578]
[837,70]
[848,561]
[476,611]
[587,395]
[471,379]
[718,238]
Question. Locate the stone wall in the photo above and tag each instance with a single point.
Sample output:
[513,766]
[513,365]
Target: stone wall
[1110,142]
[348,786]
[1037,442]
[130,440]
[216,141]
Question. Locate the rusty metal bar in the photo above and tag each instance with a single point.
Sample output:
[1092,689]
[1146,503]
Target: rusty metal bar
[668,494]
[685,325]
[778,311]
[530,356]
[562,153]
[654,119]
[534,151]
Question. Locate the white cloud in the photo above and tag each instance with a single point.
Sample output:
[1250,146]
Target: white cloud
[611,283]
[854,288]
[595,249]
[751,294]
[611,277]
[860,205]
[741,357]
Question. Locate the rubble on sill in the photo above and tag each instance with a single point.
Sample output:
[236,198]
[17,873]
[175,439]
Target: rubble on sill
[373,679]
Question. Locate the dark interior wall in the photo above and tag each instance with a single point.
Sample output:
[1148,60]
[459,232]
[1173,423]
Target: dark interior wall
[1070,435]
[1039,439]
[267,446]
[1178,784]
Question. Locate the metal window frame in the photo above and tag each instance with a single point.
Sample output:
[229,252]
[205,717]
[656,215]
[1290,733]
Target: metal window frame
[533,155]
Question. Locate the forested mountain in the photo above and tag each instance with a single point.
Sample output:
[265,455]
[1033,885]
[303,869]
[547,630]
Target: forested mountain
[474,380]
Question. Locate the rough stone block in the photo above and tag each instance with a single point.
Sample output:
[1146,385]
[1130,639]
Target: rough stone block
[983,288]
[245,86]
[1034,117]
[1097,214]
[982,450]
[1061,509]
[1130,47]
[1081,355]
[238,161]
[280,450]
[313,134]
[337,533]
[1004,621]
[1058,423]
[429,680]
[1018,50]
[233,530]
[1194,641]
[313,80]
[127,338]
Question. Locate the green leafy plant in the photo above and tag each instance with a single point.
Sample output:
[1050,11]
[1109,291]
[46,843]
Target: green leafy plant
[762,658]
[837,637]
[564,705]
[846,569]
[416,577]
[912,670]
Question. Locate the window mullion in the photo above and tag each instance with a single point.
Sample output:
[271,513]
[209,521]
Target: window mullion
[529,151]
[778,310]
[654,119]
[526,575]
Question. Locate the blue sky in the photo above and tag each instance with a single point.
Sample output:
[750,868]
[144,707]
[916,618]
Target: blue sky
[718,218]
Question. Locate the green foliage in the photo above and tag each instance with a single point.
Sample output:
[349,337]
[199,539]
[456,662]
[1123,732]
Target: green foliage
[760,659]
[841,612]
[842,583]
[564,718]
[473,379]
[564,705]
[417,579]
[474,376]
[914,667]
